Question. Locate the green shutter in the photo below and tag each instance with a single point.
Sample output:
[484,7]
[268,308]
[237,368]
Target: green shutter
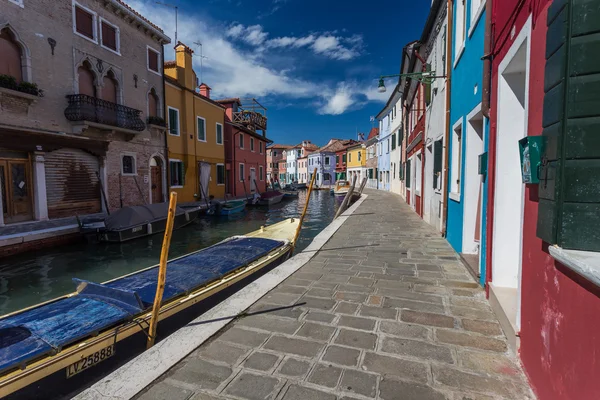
[344,158]
[569,205]
[438,149]
[408,174]
[427,86]
[394,141]
[401,171]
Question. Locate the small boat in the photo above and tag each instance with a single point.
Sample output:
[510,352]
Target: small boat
[341,189]
[134,222]
[63,337]
[228,208]
[289,194]
[267,199]
[300,185]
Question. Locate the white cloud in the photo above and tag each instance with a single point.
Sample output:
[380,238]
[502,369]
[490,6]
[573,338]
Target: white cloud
[331,47]
[235,72]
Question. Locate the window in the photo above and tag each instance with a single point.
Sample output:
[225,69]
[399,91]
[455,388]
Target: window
[242,173]
[437,164]
[393,141]
[153,104]
[459,30]
[260,147]
[455,167]
[393,170]
[327,160]
[260,172]
[84,21]
[344,158]
[241,140]
[418,174]
[177,173]
[359,155]
[109,36]
[153,60]
[10,63]
[370,173]
[476,11]
[274,153]
[251,144]
[408,172]
[128,166]
[201,123]
[173,121]
[349,157]
[219,133]
[388,146]
[87,80]
[220,174]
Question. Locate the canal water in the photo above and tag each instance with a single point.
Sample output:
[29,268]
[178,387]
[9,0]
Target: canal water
[37,276]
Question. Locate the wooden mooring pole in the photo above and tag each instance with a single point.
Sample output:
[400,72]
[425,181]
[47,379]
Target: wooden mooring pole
[347,199]
[162,271]
[299,228]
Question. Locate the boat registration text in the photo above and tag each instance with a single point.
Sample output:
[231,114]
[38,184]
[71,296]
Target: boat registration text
[90,360]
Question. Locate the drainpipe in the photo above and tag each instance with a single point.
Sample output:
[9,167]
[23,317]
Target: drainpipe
[447,132]
[168,166]
[487,62]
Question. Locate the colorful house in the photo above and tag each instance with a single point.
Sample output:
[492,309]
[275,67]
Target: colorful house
[323,159]
[195,135]
[245,145]
[384,147]
[283,168]
[371,164]
[293,155]
[357,162]
[465,228]
[274,156]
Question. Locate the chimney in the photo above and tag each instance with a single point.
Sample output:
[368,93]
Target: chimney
[185,71]
[205,90]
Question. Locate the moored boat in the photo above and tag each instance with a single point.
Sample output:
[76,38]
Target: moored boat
[341,189]
[267,199]
[228,208]
[65,336]
[134,222]
[289,194]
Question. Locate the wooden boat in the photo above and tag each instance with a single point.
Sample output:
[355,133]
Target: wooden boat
[228,208]
[341,189]
[267,199]
[65,336]
[134,222]
[289,194]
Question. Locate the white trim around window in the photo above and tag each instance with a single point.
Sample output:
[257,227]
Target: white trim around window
[475,16]
[134,156]
[198,118]
[159,72]
[456,160]
[175,160]
[169,108]
[217,133]
[117,36]
[94,22]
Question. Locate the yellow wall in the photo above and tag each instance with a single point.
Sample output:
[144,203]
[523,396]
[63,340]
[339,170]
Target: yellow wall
[186,147]
[352,158]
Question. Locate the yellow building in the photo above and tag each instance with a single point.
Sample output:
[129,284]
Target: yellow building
[195,135]
[356,162]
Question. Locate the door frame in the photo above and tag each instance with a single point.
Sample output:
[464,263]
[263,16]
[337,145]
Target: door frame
[7,182]
[252,180]
[163,173]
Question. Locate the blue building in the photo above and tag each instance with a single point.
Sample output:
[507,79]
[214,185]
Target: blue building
[384,148]
[468,138]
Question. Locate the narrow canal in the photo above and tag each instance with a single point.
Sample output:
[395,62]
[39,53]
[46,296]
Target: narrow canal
[37,276]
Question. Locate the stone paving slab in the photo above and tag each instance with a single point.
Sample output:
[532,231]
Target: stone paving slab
[385,310]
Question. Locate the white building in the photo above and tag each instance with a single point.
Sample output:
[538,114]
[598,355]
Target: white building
[292,156]
[393,110]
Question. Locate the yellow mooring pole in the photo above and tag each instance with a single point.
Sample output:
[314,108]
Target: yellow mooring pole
[299,228]
[162,270]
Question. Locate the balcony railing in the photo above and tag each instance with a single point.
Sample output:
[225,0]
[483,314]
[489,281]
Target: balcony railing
[251,119]
[91,109]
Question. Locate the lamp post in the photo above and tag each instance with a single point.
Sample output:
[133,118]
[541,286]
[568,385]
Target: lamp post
[425,77]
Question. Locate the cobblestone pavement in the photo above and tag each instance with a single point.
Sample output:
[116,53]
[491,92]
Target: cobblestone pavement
[385,310]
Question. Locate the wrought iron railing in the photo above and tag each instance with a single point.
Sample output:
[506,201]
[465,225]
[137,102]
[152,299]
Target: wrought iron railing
[92,109]
[251,119]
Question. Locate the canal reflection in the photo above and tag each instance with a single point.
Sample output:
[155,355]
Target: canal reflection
[37,276]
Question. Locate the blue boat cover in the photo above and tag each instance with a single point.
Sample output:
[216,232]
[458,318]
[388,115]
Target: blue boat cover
[34,333]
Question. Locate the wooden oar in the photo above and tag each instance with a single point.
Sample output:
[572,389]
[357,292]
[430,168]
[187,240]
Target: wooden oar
[162,270]
[299,228]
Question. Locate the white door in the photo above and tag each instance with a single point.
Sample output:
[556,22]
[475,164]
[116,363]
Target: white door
[253,179]
[204,179]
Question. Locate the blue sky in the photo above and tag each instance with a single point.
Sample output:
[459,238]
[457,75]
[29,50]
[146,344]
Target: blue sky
[313,63]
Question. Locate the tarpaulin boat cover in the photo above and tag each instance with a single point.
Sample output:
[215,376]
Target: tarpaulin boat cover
[42,330]
[130,217]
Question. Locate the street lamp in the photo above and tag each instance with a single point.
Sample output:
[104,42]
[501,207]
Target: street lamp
[381,87]
[426,77]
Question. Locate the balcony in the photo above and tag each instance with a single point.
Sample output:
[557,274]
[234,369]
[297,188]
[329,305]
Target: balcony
[86,111]
[251,120]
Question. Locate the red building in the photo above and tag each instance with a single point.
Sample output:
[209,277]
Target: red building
[340,159]
[245,147]
[553,308]
[413,99]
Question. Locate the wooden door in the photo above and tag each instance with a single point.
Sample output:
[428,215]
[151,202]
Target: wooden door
[16,192]
[252,180]
[156,184]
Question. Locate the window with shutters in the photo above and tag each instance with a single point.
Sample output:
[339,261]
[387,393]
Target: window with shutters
[219,133]
[401,171]
[201,123]
[153,60]
[569,194]
[370,173]
[344,158]
[438,148]
[86,79]
[456,165]
[128,164]
[242,173]
[109,36]
[241,143]
[10,62]
[394,141]
[407,175]
[327,160]
[220,174]
[177,173]
[260,172]
[173,121]
[84,22]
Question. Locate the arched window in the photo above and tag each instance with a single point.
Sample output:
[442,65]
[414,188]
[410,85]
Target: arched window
[10,62]
[109,92]
[86,80]
[153,104]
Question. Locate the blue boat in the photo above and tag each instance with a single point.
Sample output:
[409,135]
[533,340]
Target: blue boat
[67,335]
[228,208]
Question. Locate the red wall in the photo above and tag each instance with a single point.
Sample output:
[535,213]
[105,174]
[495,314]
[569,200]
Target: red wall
[419,128]
[560,311]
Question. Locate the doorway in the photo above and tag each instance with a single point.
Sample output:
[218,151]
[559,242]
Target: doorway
[204,179]
[15,178]
[156,180]
[253,180]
